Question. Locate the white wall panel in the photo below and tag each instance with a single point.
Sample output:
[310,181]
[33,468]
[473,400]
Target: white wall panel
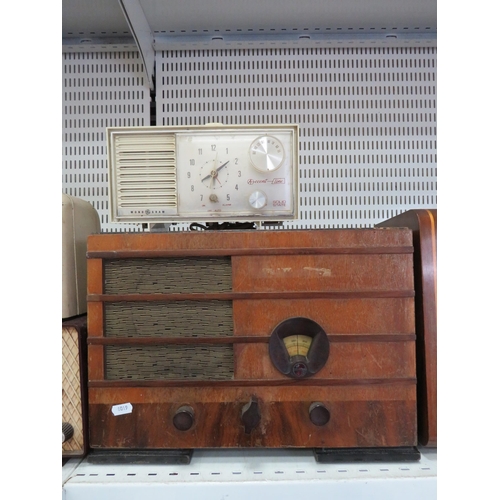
[367,119]
[100,89]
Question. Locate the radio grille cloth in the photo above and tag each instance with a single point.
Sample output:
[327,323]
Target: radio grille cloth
[200,362]
[71,395]
[167,275]
[169,319]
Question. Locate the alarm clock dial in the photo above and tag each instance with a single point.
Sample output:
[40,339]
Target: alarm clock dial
[235,173]
[214,174]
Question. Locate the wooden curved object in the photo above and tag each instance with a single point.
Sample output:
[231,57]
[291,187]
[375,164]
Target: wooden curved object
[423,223]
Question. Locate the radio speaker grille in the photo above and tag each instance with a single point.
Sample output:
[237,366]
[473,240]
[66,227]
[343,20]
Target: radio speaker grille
[200,362]
[74,375]
[169,319]
[170,275]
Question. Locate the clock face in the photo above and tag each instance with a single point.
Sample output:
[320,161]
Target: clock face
[203,173]
[237,173]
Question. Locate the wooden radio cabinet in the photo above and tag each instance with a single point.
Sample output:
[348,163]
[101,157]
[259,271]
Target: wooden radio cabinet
[423,223]
[290,338]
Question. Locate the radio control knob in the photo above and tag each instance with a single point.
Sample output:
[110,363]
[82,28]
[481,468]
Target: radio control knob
[319,414]
[67,431]
[257,199]
[250,415]
[184,418]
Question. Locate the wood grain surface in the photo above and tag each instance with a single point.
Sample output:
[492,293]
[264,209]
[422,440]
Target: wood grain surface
[357,284]
[423,223]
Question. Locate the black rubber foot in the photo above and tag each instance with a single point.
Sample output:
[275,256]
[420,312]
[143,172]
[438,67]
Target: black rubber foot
[164,457]
[345,455]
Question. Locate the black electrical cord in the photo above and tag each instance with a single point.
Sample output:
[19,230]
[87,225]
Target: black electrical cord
[223,226]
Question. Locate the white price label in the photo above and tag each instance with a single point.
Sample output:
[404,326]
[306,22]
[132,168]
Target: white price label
[122,409]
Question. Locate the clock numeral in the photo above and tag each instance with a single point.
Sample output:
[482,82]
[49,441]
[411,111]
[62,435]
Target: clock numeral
[192,187]
[228,198]
[239,173]
[236,187]
[191,162]
[200,151]
[189,175]
[201,197]
[214,147]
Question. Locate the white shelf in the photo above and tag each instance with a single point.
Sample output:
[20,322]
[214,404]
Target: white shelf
[250,474]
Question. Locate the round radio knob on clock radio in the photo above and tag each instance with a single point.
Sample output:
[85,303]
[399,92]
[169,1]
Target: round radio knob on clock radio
[267,153]
[257,199]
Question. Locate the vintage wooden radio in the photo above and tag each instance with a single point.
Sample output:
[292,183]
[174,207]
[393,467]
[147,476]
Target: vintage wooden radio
[423,223]
[259,338]
[74,387]
[79,219]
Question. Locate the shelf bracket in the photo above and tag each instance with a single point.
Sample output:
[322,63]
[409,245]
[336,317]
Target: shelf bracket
[143,36]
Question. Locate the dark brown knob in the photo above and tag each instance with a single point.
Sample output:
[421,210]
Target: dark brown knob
[184,418]
[319,414]
[250,415]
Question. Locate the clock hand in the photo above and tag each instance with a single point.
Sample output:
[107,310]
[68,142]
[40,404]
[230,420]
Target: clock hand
[213,173]
[222,166]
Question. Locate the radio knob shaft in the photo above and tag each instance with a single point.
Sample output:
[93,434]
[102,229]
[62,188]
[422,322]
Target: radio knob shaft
[250,415]
[319,414]
[184,418]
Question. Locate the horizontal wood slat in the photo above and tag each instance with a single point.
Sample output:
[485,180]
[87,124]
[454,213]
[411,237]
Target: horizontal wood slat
[368,294]
[217,252]
[232,242]
[279,382]
[240,339]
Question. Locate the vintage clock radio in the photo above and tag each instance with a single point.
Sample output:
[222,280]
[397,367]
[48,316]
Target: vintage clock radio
[245,338]
[203,173]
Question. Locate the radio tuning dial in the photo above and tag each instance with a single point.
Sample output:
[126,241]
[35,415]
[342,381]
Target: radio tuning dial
[299,347]
[267,153]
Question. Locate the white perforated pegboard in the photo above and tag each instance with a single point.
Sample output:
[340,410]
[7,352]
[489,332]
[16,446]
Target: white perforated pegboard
[100,89]
[367,119]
